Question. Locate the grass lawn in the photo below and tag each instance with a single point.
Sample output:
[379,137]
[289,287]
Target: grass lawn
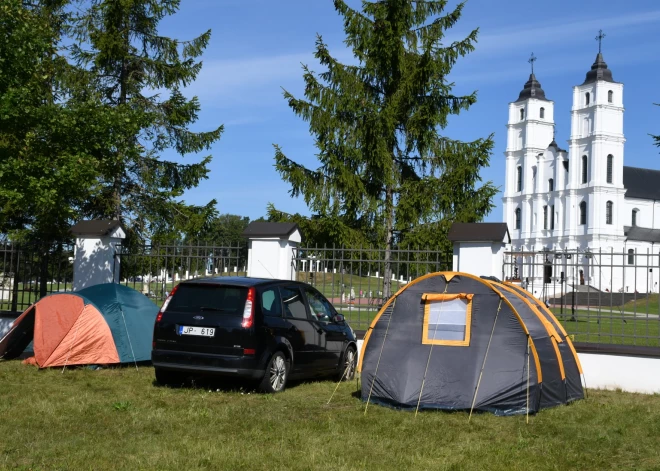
[610,327]
[649,305]
[117,419]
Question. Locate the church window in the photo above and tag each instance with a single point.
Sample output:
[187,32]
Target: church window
[542,113]
[545,217]
[587,98]
[584,169]
[631,256]
[610,95]
[551,184]
[634,217]
[517,221]
[519,177]
[608,212]
[583,213]
[522,114]
[610,162]
[565,163]
[552,217]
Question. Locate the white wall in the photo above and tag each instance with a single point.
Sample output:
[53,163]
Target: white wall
[272,257]
[94,262]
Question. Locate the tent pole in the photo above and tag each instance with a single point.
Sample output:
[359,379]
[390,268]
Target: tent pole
[527,418]
[476,390]
[379,356]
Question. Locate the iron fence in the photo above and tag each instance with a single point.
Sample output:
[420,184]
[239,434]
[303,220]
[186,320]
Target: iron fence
[155,269]
[600,296]
[29,272]
[358,281]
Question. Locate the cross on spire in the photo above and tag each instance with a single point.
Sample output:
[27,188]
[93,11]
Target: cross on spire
[531,60]
[599,38]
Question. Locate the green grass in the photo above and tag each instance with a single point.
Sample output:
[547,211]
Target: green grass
[610,327]
[117,419]
[649,305]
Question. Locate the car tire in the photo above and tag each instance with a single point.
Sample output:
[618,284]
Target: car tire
[276,374]
[169,378]
[348,364]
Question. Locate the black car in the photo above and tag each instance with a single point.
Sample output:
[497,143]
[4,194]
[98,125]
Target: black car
[250,328]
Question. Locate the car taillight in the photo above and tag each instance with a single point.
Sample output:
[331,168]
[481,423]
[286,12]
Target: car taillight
[163,308]
[248,311]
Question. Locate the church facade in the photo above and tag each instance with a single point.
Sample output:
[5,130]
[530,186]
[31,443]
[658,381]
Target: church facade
[580,208]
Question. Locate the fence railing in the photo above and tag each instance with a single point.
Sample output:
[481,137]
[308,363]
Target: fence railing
[29,272]
[155,269]
[357,281]
[600,296]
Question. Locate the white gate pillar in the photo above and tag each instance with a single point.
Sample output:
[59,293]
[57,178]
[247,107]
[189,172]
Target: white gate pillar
[94,259]
[479,247]
[270,249]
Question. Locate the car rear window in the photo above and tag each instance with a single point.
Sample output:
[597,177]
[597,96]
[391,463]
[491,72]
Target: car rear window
[212,298]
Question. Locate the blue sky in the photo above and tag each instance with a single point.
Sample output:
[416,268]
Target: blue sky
[257,47]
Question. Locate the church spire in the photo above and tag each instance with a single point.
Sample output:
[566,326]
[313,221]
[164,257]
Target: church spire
[599,70]
[532,88]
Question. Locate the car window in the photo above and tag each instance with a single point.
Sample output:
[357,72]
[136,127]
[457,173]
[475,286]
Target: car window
[294,307]
[318,305]
[208,297]
[271,305]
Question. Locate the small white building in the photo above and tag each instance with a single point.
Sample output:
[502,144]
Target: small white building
[270,249]
[581,200]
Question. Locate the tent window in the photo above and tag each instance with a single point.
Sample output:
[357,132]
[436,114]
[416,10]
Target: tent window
[447,319]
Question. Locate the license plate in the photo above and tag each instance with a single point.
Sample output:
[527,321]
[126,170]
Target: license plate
[201,331]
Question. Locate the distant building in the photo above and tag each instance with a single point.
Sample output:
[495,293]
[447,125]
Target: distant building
[582,200]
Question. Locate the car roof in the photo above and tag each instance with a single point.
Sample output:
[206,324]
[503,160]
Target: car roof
[242,281]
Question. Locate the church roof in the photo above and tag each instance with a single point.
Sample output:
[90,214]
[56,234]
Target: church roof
[556,146]
[532,89]
[642,183]
[599,71]
[641,234]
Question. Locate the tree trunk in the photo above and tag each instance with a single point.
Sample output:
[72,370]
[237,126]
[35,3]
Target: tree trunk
[43,271]
[389,229]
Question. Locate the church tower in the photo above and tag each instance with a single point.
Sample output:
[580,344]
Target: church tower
[529,132]
[595,206]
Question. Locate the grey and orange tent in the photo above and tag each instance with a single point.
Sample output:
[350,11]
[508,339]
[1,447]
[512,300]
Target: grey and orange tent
[103,324]
[454,341]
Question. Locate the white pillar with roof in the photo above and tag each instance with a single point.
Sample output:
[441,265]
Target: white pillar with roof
[94,260]
[271,249]
[479,247]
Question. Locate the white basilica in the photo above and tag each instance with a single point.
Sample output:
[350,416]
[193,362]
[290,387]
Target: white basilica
[582,200]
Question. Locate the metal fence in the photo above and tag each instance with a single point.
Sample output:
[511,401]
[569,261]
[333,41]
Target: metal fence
[359,280]
[155,269]
[29,272]
[600,296]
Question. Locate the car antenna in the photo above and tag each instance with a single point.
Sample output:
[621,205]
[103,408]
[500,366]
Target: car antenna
[271,275]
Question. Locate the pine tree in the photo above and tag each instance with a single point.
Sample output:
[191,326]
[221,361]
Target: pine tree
[140,75]
[385,167]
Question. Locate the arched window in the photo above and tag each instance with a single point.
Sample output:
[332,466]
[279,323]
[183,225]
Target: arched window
[584,169]
[610,163]
[610,95]
[517,218]
[551,184]
[587,98]
[634,217]
[552,217]
[542,114]
[522,114]
[545,217]
[631,256]
[608,212]
[519,178]
[583,213]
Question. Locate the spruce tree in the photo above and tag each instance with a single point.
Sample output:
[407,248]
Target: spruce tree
[385,168]
[140,75]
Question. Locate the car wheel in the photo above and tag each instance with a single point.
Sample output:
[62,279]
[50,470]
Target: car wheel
[277,372]
[170,378]
[348,364]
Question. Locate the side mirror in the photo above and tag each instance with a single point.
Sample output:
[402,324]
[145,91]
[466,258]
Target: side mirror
[338,318]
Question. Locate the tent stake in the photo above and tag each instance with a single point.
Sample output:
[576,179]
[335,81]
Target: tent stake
[476,390]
